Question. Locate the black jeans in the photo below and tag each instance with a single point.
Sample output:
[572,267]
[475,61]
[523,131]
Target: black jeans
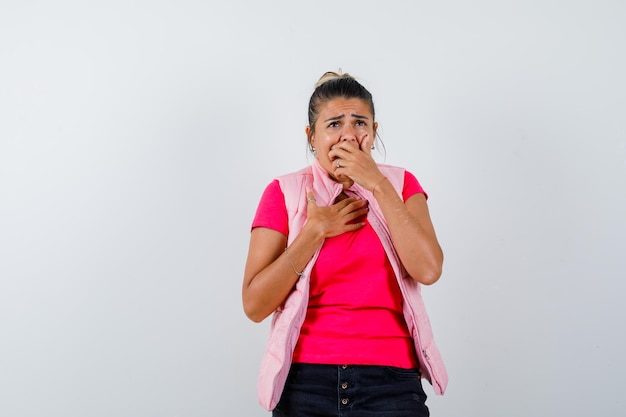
[352,391]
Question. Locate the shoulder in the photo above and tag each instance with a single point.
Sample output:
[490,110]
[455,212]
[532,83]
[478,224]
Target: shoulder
[271,211]
[296,175]
[293,184]
[403,180]
[394,174]
[391,169]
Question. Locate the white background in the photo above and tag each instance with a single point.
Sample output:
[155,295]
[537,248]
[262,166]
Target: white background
[136,138]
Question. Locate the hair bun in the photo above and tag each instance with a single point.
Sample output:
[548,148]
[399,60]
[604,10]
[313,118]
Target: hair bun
[331,75]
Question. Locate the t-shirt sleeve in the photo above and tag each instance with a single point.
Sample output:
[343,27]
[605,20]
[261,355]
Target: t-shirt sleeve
[411,186]
[272,211]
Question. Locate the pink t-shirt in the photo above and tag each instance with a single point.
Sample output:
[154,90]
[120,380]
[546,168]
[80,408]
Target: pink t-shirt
[354,313]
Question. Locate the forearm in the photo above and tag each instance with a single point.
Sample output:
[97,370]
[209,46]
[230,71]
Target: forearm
[412,234]
[268,288]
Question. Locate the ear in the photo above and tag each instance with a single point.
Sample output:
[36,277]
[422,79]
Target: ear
[309,135]
[375,128]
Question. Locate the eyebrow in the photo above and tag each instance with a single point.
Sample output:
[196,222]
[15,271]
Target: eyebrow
[341,116]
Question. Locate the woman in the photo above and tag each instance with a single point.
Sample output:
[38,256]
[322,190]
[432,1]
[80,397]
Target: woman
[338,252]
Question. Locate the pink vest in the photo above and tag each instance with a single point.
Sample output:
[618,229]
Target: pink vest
[287,320]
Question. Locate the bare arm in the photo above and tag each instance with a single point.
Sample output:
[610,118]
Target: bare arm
[412,233]
[411,228]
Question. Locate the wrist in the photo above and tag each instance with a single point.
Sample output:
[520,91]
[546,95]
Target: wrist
[378,184]
[313,231]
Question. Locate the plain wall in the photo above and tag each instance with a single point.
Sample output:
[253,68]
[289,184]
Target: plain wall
[136,138]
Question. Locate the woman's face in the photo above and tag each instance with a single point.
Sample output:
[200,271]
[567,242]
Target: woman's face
[339,120]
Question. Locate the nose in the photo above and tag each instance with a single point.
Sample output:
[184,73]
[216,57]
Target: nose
[348,133]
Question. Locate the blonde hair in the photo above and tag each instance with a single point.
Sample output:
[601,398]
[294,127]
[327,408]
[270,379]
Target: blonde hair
[331,75]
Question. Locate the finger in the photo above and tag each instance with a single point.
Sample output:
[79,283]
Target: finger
[350,217]
[337,153]
[345,147]
[310,198]
[351,204]
[366,145]
[351,227]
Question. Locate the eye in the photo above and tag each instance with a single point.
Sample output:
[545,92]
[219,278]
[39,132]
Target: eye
[360,123]
[333,124]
